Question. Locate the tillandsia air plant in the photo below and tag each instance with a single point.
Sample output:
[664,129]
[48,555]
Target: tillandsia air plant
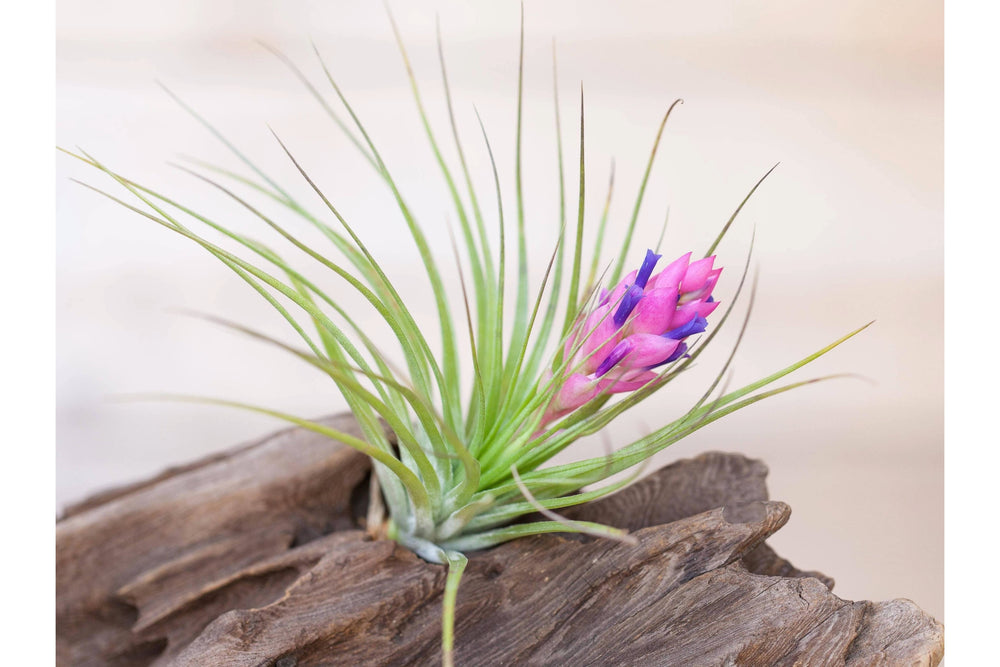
[550,364]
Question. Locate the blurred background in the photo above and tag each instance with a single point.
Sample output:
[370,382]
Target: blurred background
[847,96]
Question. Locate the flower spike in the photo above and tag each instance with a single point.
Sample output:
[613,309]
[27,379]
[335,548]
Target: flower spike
[653,315]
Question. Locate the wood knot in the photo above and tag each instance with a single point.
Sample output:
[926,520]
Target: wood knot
[493,571]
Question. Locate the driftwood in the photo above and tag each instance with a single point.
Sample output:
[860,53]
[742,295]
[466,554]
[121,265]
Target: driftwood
[257,557]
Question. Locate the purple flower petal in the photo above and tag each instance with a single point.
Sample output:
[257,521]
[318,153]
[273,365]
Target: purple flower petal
[678,353]
[648,264]
[629,301]
[681,351]
[617,354]
[695,325]
[619,291]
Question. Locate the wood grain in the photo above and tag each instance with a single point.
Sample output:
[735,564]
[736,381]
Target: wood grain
[256,557]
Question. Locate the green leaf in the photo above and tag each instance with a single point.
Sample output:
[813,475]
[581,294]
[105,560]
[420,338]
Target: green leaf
[574,281]
[739,208]
[451,402]
[519,331]
[616,274]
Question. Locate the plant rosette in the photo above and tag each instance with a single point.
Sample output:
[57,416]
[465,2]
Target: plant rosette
[550,363]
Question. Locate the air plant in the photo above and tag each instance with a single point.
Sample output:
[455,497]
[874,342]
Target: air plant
[461,468]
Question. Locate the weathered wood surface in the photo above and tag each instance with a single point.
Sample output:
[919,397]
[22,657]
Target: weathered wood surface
[255,557]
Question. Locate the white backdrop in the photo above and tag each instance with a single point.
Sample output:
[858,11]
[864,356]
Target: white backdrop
[848,96]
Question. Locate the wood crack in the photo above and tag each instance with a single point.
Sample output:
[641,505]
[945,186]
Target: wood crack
[230,561]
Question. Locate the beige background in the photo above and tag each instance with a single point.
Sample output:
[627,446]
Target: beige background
[848,96]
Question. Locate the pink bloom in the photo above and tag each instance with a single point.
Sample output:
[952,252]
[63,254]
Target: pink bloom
[636,327]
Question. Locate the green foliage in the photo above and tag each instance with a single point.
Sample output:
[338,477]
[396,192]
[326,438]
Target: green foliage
[466,466]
